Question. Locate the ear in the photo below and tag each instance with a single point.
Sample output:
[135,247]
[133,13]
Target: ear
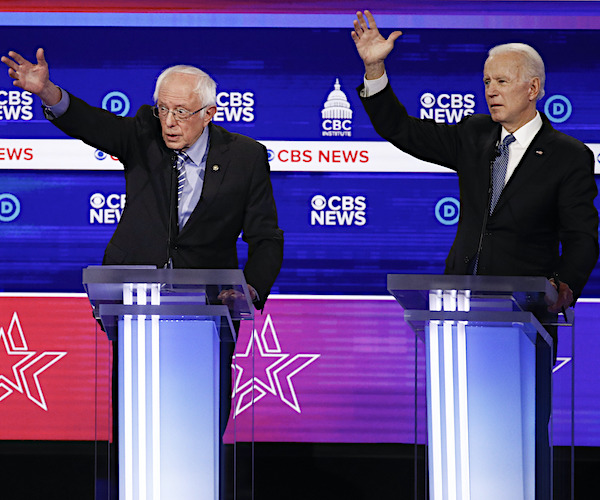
[534,88]
[208,115]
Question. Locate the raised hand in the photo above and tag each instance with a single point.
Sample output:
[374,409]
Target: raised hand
[372,47]
[34,78]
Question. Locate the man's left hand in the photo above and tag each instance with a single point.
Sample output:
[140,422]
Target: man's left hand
[229,297]
[565,297]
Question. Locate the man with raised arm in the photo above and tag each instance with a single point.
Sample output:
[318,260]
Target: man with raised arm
[546,199]
[225,190]
[533,215]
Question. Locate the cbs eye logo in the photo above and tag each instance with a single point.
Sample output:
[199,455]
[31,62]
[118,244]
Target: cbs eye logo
[10,207]
[97,200]
[319,202]
[427,100]
[112,201]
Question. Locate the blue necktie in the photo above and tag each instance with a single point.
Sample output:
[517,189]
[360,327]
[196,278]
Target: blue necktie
[182,157]
[498,177]
[499,170]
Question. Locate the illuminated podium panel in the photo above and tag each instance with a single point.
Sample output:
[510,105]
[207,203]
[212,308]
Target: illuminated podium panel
[168,325]
[480,335]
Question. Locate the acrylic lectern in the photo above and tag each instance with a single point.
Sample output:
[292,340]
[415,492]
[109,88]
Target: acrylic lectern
[482,336]
[168,324]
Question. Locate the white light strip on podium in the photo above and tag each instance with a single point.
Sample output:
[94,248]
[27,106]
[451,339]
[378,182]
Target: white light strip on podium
[450,433]
[435,400]
[141,392]
[463,304]
[465,476]
[128,397]
[155,301]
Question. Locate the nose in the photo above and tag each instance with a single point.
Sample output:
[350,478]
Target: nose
[170,120]
[491,89]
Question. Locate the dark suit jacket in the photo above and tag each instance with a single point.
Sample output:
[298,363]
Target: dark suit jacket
[237,197]
[548,202]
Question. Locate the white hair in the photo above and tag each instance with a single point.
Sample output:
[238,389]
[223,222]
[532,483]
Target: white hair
[533,64]
[206,87]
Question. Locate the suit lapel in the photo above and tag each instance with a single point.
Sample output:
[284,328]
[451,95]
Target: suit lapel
[488,146]
[534,159]
[163,182]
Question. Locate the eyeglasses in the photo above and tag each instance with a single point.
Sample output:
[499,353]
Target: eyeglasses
[180,114]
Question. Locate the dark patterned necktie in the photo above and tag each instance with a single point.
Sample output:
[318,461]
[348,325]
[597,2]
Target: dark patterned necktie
[181,159]
[499,170]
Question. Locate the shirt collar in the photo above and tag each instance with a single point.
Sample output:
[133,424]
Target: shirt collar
[526,133]
[197,151]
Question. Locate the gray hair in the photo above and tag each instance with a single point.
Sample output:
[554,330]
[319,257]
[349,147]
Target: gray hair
[206,87]
[534,65]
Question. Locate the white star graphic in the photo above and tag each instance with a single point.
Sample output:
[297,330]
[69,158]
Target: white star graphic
[26,371]
[561,362]
[281,369]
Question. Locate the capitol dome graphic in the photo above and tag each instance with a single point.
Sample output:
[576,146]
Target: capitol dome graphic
[337,105]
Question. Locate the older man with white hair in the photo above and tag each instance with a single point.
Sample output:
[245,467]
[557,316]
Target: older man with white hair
[531,214]
[199,227]
[544,200]
[224,190]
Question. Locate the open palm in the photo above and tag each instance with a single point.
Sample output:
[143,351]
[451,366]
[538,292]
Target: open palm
[372,47]
[26,75]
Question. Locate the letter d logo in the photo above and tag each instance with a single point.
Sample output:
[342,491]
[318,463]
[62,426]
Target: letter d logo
[116,102]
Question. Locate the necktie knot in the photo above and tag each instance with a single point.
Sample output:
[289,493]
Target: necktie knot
[182,157]
[508,140]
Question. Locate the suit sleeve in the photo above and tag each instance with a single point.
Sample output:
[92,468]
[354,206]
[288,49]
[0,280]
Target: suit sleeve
[424,139]
[261,231]
[578,220]
[97,127]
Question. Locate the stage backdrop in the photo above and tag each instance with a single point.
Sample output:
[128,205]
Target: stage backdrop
[336,360]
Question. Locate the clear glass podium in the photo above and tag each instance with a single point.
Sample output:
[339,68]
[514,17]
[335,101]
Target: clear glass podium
[489,355]
[173,332]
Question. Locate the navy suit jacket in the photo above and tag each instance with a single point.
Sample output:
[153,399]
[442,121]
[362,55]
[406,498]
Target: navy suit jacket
[237,197]
[545,221]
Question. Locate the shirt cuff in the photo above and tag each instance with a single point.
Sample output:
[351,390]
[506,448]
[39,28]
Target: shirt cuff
[59,109]
[372,87]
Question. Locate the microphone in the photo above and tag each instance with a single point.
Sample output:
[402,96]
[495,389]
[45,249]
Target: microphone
[475,261]
[496,151]
[169,263]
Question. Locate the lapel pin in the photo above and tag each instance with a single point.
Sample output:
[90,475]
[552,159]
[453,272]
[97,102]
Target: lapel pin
[215,168]
[539,152]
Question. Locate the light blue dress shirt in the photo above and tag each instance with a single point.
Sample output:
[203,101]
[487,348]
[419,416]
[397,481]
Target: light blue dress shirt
[195,167]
